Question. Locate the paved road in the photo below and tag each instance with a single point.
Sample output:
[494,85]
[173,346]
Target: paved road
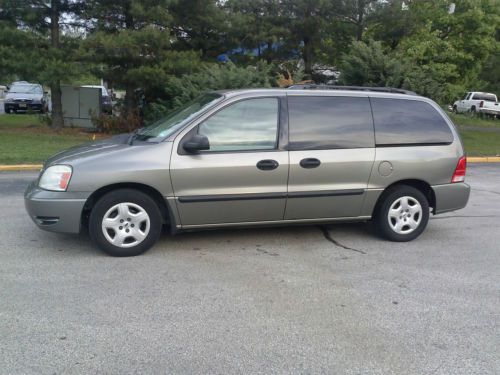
[280,300]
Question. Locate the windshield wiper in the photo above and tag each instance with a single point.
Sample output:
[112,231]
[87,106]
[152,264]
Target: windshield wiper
[133,136]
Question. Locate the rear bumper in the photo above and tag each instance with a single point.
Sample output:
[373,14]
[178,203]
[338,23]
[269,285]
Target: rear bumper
[490,111]
[54,211]
[451,197]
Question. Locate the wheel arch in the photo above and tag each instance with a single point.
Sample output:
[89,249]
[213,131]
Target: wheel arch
[152,192]
[420,185]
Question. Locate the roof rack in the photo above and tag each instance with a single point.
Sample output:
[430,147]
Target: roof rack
[352,88]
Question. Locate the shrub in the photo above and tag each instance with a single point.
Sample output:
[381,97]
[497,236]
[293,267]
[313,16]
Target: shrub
[122,123]
[182,89]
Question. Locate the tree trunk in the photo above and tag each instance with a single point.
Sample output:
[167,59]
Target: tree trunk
[57,113]
[307,56]
[269,52]
[129,99]
[360,21]
[55,87]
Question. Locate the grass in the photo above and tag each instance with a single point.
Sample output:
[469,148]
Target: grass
[462,120]
[480,143]
[26,139]
[481,136]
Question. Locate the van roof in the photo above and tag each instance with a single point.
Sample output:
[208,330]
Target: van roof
[314,90]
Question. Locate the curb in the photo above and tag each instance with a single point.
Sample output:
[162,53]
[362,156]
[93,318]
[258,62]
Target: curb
[485,159]
[37,167]
[20,167]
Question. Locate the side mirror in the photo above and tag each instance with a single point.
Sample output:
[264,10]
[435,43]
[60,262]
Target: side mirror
[196,143]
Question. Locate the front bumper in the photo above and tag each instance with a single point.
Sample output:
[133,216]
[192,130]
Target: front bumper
[451,197]
[55,211]
[14,106]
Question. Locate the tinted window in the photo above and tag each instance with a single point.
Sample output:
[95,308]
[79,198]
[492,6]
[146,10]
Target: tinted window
[329,122]
[400,121]
[247,125]
[485,97]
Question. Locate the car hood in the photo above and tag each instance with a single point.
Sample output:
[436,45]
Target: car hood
[89,150]
[18,95]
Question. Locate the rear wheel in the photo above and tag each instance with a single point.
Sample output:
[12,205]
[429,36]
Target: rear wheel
[125,222]
[402,214]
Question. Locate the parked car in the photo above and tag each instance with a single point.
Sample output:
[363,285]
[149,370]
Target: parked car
[106,100]
[23,96]
[478,103]
[260,157]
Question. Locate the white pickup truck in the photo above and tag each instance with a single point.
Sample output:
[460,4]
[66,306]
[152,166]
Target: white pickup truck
[478,103]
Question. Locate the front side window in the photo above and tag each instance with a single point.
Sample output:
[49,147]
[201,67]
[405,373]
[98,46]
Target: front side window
[246,125]
[176,120]
[329,122]
[399,121]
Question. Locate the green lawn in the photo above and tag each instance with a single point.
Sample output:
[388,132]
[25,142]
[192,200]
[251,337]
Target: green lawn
[473,121]
[479,143]
[25,139]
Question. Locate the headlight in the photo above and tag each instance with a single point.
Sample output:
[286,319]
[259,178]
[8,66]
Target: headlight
[9,100]
[56,178]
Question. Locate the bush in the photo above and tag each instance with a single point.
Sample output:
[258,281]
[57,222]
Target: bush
[122,123]
[180,90]
[367,64]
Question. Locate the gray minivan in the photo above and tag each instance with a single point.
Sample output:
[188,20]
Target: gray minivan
[307,154]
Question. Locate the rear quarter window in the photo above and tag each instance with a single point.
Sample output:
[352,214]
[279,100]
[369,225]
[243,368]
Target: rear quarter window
[408,122]
[329,122]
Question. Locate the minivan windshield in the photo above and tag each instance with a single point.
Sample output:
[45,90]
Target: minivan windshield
[175,120]
[26,89]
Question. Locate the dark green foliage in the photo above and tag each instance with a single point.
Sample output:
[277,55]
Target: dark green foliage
[163,52]
[367,64]
[182,89]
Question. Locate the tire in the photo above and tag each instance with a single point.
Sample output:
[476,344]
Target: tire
[473,112]
[402,214]
[7,111]
[125,223]
[454,110]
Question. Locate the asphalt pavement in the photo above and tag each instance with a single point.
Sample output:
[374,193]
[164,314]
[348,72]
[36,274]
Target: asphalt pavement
[308,299]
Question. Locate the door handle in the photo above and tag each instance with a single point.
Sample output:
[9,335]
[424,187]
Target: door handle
[309,163]
[267,164]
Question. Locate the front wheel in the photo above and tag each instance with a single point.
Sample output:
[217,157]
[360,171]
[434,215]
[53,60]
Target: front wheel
[125,222]
[403,214]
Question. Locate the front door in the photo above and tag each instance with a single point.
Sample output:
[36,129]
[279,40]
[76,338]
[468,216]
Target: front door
[331,156]
[243,176]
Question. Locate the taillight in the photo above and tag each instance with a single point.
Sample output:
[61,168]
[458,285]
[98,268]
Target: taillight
[481,104]
[459,174]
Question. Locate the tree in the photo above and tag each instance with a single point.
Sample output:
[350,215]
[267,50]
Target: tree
[131,44]
[355,12]
[260,25]
[448,48]
[199,25]
[389,22]
[45,20]
[307,21]
[368,64]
